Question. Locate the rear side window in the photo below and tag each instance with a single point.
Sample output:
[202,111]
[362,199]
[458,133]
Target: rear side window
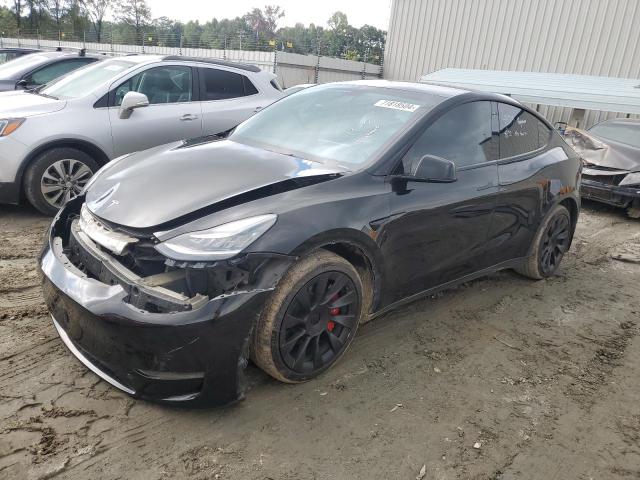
[274,83]
[223,85]
[462,135]
[520,131]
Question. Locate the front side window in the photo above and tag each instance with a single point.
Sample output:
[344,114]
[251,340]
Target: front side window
[520,131]
[51,72]
[223,85]
[462,135]
[170,84]
[335,124]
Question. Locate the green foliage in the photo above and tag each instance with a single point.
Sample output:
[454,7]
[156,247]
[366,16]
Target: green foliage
[258,29]
[7,22]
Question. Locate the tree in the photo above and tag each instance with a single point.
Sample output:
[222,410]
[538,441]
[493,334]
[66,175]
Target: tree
[338,22]
[7,22]
[264,23]
[56,9]
[272,13]
[135,14]
[77,18]
[18,6]
[95,10]
[191,34]
[167,32]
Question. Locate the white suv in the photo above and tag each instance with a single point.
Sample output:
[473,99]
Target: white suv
[54,138]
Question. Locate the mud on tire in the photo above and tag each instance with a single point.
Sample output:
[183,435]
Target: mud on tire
[296,339]
[549,245]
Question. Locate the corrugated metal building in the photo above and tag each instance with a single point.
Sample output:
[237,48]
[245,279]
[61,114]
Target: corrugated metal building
[588,37]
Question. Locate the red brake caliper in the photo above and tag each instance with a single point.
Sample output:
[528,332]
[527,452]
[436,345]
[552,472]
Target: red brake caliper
[334,311]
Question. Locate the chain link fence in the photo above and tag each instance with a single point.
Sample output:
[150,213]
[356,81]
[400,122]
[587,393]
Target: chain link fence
[292,68]
[115,35]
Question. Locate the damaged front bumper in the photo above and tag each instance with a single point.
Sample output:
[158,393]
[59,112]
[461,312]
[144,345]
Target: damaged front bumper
[143,339]
[603,186]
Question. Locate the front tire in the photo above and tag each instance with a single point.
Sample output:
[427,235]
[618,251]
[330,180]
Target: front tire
[56,176]
[634,210]
[310,319]
[549,245]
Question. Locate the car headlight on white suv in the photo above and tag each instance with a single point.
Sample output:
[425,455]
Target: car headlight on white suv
[217,243]
[9,125]
[631,179]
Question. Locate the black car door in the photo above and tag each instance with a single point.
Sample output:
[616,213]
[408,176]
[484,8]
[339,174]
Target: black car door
[437,231]
[525,167]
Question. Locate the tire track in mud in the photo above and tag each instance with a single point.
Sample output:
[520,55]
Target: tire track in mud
[512,358]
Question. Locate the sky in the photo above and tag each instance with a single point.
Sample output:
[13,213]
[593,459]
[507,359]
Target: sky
[359,12]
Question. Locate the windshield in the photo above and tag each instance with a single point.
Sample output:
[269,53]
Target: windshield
[618,132]
[85,80]
[18,65]
[342,124]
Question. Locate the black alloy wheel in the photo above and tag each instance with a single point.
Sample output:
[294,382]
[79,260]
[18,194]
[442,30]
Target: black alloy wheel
[551,242]
[555,242]
[318,322]
[311,318]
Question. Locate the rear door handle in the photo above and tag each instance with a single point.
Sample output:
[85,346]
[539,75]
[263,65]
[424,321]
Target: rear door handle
[187,117]
[257,109]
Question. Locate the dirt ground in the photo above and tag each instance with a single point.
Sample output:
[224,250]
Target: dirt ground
[502,378]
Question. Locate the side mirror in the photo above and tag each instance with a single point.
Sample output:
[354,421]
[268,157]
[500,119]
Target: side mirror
[435,169]
[24,84]
[130,102]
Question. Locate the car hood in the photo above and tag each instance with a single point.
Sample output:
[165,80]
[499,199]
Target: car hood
[605,154]
[23,104]
[169,184]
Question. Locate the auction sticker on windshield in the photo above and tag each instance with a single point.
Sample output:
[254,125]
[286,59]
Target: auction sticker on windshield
[405,107]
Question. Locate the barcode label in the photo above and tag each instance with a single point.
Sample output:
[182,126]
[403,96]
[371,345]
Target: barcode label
[405,107]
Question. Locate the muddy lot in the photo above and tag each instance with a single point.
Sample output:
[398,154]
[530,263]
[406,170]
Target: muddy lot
[541,376]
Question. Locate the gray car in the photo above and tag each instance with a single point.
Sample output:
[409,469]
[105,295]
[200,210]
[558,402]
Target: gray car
[11,53]
[611,154]
[53,139]
[36,69]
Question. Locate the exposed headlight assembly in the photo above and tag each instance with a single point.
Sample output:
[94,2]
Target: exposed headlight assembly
[9,125]
[631,179]
[217,243]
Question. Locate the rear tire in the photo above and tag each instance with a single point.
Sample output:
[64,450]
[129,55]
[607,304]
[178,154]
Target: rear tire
[310,319]
[549,245]
[56,176]
[634,210]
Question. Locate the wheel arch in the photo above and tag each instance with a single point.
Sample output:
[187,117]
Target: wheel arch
[87,147]
[357,248]
[572,205]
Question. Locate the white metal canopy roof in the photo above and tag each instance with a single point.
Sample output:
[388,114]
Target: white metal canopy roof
[608,94]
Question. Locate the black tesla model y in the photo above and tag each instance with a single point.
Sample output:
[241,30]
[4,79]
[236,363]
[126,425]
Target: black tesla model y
[179,264]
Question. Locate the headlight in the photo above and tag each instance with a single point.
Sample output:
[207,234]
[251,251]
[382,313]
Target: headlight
[10,125]
[217,243]
[631,179]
